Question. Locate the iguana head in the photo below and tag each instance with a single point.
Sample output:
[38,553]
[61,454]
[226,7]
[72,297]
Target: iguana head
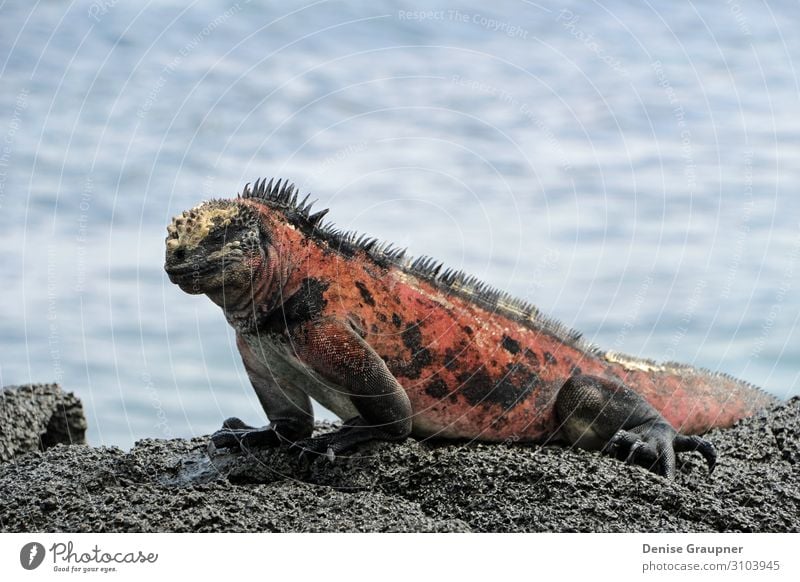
[214,247]
[228,249]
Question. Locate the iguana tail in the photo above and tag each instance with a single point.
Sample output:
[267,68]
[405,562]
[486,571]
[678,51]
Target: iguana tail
[693,400]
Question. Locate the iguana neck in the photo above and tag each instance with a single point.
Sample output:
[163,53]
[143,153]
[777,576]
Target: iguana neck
[276,281]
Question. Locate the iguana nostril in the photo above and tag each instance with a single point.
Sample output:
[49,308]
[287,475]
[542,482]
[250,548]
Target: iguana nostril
[179,254]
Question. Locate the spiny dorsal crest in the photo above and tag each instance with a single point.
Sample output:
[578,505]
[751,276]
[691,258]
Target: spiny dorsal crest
[283,194]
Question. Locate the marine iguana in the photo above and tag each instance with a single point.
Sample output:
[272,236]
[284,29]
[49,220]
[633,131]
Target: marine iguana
[398,346]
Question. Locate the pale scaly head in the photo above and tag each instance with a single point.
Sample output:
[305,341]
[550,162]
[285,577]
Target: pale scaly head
[214,247]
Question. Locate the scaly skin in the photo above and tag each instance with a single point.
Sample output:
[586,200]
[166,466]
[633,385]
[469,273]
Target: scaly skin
[398,348]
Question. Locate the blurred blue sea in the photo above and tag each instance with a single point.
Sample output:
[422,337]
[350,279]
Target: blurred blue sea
[632,168]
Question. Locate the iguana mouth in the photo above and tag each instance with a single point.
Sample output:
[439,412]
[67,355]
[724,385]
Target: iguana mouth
[187,272]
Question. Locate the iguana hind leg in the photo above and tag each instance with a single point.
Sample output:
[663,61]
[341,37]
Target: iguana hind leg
[598,414]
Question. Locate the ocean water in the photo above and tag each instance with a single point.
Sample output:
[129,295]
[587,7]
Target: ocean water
[630,168]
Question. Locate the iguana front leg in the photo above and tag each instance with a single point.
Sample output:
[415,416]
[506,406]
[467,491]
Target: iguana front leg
[598,414]
[288,409]
[339,355]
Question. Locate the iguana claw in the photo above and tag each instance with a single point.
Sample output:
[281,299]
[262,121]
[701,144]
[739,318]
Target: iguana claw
[237,435]
[695,443]
[352,433]
[598,413]
[655,448]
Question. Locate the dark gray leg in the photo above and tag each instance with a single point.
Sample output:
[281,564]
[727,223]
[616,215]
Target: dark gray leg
[598,414]
[287,407]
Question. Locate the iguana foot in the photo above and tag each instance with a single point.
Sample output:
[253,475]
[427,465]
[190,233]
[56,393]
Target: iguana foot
[598,414]
[655,447]
[353,432]
[237,435]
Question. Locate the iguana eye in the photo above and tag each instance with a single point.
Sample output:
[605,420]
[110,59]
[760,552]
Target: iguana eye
[217,235]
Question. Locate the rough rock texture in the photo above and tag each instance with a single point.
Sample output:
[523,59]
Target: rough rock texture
[174,486]
[36,417]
